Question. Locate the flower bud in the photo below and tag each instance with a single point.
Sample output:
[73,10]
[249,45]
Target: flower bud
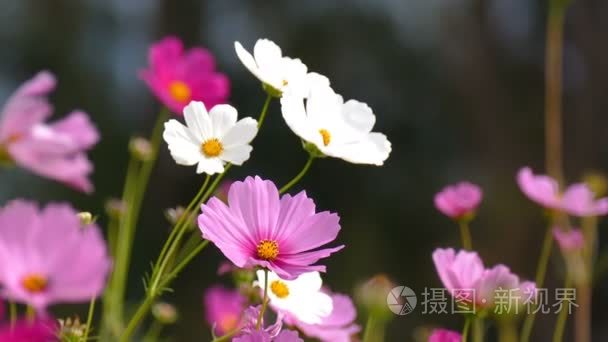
[372,295]
[141,148]
[115,208]
[165,313]
[86,218]
[71,329]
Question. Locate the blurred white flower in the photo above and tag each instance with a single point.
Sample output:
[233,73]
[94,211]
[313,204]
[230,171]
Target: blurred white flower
[335,128]
[300,298]
[277,72]
[210,139]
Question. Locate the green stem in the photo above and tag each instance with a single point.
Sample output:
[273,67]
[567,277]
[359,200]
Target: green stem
[137,317]
[477,326]
[154,332]
[226,337]
[264,110]
[560,325]
[89,319]
[507,331]
[299,176]
[465,235]
[582,317]
[30,313]
[465,329]
[264,301]
[541,271]
[187,260]
[12,307]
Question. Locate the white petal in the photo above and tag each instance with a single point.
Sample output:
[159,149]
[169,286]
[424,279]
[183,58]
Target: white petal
[210,166]
[358,116]
[247,60]
[294,113]
[267,54]
[373,149]
[223,117]
[236,155]
[324,107]
[183,147]
[241,133]
[311,308]
[198,120]
[315,80]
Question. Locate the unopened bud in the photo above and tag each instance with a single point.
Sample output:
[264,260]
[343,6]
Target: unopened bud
[372,295]
[597,182]
[71,329]
[115,208]
[86,218]
[141,148]
[165,313]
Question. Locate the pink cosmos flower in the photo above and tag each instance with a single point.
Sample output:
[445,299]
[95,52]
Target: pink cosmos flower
[55,150]
[577,199]
[24,331]
[262,336]
[224,309]
[569,241]
[177,77]
[444,335]
[339,326]
[459,200]
[49,256]
[465,277]
[259,228]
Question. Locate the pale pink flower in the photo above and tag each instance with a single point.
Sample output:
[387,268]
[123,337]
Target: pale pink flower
[339,326]
[459,200]
[49,256]
[224,309]
[259,228]
[577,199]
[569,241]
[55,150]
[177,77]
[262,336]
[444,335]
[464,276]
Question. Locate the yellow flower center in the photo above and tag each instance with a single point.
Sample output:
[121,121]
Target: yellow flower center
[268,250]
[212,147]
[284,83]
[34,283]
[228,322]
[326,136]
[279,289]
[180,91]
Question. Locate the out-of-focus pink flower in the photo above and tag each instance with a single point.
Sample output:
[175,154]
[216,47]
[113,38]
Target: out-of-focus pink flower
[55,150]
[569,241]
[262,336]
[249,330]
[444,335]
[24,331]
[260,228]
[577,199]
[49,256]
[177,77]
[224,309]
[464,271]
[222,191]
[459,200]
[339,326]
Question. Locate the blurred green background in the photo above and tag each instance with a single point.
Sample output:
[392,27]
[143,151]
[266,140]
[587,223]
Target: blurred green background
[457,85]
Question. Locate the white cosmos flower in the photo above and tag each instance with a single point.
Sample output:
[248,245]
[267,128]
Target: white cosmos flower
[210,139]
[278,72]
[338,129]
[301,298]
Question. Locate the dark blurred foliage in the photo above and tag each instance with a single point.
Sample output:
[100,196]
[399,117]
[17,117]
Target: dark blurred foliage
[457,85]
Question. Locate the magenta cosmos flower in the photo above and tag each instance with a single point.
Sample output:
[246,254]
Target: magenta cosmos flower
[55,150]
[48,256]
[44,330]
[465,277]
[569,241]
[339,326]
[577,199]
[177,77]
[259,228]
[224,308]
[444,335]
[459,200]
